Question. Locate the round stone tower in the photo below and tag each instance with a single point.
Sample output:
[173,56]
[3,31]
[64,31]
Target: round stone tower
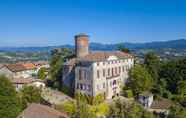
[81,45]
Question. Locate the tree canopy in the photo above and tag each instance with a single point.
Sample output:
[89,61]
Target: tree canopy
[123,109]
[152,63]
[30,94]
[42,73]
[9,103]
[140,80]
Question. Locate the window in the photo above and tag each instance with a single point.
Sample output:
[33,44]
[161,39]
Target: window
[88,87]
[103,85]
[97,87]
[116,70]
[112,71]
[114,82]
[123,68]
[81,86]
[80,74]
[97,63]
[77,86]
[119,70]
[85,75]
[98,74]
[103,72]
[109,72]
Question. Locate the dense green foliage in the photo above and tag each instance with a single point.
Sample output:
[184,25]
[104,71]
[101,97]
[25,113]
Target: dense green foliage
[128,93]
[30,94]
[152,64]
[42,73]
[91,100]
[177,112]
[173,72]
[123,48]
[85,106]
[140,80]
[57,58]
[9,103]
[123,109]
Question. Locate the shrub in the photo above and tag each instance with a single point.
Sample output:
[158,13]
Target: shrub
[128,93]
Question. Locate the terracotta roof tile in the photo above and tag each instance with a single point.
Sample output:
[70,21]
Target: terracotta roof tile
[162,103]
[15,67]
[24,80]
[41,111]
[29,65]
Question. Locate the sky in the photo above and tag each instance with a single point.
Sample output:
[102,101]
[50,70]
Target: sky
[55,22]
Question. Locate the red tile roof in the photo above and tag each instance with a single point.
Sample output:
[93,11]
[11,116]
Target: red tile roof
[162,103]
[15,67]
[41,111]
[29,65]
[24,80]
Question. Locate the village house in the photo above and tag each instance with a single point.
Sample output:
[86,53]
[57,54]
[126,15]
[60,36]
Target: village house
[19,69]
[159,106]
[13,70]
[146,99]
[93,73]
[30,68]
[41,64]
[19,83]
[41,111]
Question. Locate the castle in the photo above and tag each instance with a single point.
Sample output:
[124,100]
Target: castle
[96,72]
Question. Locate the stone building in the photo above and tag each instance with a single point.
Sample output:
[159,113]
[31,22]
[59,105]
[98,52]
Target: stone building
[96,72]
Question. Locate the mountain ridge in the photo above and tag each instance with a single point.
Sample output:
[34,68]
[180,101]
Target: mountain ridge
[177,44]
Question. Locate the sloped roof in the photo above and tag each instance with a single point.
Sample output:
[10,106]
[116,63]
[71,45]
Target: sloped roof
[102,55]
[15,67]
[22,80]
[41,111]
[29,65]
[40,63]
[162,103]
[98,56]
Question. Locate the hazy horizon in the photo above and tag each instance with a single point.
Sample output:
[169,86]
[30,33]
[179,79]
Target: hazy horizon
[41,23]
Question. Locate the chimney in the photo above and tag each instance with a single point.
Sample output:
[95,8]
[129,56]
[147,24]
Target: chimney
[81,45]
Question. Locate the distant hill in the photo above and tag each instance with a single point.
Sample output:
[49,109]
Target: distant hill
[177,44]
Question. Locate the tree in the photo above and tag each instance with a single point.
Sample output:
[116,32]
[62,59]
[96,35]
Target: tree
[77,109]
[9,103]
[81,107]
[177,112]
[57,58]
[140,80]
[55,63]
[30,94]
[42,73]
[122,48]
[173,71]
[181,88]
[152,63]
[123,109]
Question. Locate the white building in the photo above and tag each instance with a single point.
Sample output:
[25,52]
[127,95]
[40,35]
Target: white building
[19,83]
[146,99]
[101,72]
